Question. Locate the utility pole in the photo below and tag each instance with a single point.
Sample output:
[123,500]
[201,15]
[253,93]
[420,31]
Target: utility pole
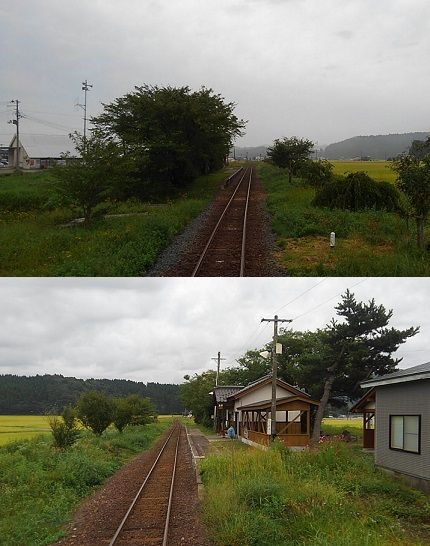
[218,359]
[16,122]
[85,87]
[275,321]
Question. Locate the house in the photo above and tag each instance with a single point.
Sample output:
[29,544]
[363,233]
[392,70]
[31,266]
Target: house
[249,408]
[401,405]
[40,151]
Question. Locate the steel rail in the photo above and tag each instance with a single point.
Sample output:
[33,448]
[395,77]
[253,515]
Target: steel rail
[245,218]
[203,254]
[169,506]
[138,494]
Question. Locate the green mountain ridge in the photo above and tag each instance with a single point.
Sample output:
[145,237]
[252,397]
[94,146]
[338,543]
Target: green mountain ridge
[42,394]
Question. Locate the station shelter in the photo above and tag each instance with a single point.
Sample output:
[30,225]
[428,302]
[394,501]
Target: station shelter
[248,409]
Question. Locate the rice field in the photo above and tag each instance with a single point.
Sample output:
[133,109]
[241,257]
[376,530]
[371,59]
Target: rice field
[378,170]
[14,428]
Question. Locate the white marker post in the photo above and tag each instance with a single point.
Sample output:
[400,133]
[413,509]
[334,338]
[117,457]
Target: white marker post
[332,239]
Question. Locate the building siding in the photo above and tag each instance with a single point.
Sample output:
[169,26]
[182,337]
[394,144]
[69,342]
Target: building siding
[412,398]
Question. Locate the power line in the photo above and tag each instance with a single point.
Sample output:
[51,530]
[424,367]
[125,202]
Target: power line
[326,301]
[302,294]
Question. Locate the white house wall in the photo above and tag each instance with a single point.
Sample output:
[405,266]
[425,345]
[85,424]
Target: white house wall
[263,393]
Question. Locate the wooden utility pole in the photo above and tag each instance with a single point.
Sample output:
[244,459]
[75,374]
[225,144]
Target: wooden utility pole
[275,321]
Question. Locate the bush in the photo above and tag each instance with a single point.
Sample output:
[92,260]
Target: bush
[95,410]
[317,173]
[357,191]
[64,429]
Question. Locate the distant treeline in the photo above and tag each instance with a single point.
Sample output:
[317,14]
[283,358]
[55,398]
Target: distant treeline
[373,146]
[41,394]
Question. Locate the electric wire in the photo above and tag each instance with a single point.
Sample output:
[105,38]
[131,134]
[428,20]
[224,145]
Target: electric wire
[326,301]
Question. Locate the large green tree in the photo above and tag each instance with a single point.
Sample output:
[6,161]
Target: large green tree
[172,134]
[413,179]
[355,347]
[195,395]
[290,154]
[95,410]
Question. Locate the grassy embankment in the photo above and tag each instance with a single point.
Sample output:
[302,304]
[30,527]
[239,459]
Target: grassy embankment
[371,243]
[40,486]
[331,496]
[32,242]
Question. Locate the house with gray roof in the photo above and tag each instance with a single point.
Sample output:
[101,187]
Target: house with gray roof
[40,151]
[401,405]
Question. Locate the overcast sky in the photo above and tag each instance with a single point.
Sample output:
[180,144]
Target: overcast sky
[161,329]
[322,69]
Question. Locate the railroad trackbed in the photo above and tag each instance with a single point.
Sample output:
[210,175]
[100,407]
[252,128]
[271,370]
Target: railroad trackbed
[153,500]
[231,241]
[148,518]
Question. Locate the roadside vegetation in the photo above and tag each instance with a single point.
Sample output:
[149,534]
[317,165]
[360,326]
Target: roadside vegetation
[368,243]
[372,217]
[328,496]
[41,485]
[34,243]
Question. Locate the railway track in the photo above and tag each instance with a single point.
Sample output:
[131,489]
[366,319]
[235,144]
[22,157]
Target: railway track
[224,253]
[147,519]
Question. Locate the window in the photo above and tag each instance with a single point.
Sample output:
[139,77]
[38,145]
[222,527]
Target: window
[405,433]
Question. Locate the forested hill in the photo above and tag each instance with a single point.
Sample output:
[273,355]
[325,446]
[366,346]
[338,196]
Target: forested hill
[373,146]
[21,395]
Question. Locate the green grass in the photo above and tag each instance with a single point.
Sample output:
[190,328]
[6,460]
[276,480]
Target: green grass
[331,496]
[41,486]
[371,243]
[378,170]
[32,243]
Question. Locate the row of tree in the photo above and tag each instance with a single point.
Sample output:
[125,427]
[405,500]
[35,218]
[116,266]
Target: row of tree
[97,411]
[42,394]
[329,362]
[357,191]
[149,144]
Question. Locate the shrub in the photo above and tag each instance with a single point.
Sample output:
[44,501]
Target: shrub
[95,410]
[357,191]
[317,173]
[64,429]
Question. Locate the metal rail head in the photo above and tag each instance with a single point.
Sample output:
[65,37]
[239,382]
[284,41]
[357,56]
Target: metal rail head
[203,254]
[172,484]
[136,498]
[245,218]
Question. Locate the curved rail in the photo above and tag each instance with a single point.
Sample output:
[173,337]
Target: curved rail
[139,493]
[214,231]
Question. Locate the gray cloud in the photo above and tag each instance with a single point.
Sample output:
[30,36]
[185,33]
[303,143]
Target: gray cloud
[161,329]
[268,56]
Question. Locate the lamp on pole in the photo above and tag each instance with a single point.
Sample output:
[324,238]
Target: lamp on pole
[275,321]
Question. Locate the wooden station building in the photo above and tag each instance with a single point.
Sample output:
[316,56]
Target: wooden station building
[248,409]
